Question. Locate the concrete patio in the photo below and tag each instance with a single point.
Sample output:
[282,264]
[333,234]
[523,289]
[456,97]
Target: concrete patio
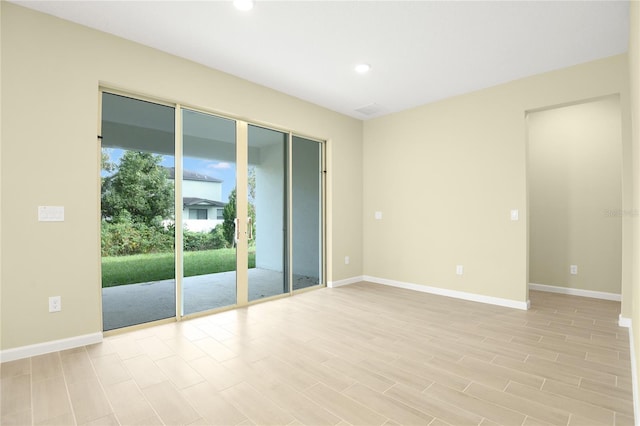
[132,304]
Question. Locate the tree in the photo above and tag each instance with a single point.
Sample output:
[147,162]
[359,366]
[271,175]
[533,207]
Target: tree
[229,215]
[107,166]
[139,190]
[105,161]
[229,212]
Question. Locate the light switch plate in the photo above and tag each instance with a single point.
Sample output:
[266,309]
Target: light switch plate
[51,213]
[515,214]
[378,215]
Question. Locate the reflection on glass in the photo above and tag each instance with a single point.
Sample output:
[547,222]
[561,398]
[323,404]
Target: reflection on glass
[266,193]
[306,181]
[209,210]
[137,199]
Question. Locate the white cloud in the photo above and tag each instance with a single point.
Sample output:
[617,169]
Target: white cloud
[221,165]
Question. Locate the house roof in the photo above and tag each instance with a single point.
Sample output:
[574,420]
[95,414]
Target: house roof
[193,201]
[189,175]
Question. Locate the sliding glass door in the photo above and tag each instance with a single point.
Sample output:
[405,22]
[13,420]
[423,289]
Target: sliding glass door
[267,202]
[307,208]
[202,212]
[208,212]
[137,206]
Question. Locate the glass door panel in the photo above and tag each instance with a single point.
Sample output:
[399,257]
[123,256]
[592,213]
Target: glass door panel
[209,210]
[267,177]
[306,183]
[137,200]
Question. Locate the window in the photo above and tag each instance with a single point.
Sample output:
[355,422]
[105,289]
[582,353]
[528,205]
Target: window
[199,214]
[220,214]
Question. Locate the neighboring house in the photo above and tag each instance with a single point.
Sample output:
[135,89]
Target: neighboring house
[201,200]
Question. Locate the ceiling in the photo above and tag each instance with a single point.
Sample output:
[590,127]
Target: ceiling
[419,51]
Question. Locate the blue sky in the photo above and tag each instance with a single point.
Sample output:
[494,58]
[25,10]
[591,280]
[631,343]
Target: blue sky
[218,169]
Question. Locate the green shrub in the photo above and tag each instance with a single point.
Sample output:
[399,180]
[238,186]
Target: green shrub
[217,235]
[196,241]
[126,238]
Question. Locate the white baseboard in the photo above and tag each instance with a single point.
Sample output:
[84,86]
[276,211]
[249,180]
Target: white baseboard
[48,347]
[346,281]
[634,377]
[451,293]
[576,292]
[624,322]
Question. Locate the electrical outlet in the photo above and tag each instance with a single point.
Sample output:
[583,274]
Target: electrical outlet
[459,269]
[573,269]
[346,260]
[55,304]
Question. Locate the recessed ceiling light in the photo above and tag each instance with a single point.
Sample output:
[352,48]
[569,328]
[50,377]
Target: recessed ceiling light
[363,68]
[243,5]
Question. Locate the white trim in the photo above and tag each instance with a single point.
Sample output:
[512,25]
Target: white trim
[48,347]
[353,280]
[576,292]
[452,293]
[624,322]
[634,376]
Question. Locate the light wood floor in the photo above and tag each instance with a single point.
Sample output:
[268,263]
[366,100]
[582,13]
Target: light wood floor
[362,354]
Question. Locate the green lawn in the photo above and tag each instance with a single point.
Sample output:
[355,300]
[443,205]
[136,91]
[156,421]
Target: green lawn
[139,268]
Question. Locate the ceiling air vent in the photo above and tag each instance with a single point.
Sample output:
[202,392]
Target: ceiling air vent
[370,109]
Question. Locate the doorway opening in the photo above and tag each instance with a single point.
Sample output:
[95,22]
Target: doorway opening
[575,199]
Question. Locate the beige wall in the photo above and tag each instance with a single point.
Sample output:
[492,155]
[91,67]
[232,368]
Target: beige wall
[51,70]
[634,77]
[447,174]
[575,195]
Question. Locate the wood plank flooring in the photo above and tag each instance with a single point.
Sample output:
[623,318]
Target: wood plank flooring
[362,354]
